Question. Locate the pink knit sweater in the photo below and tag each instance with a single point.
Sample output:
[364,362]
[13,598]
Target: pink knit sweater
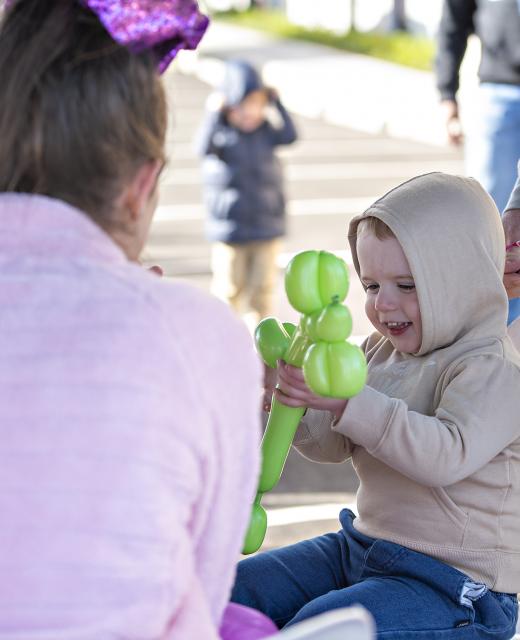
[129,429]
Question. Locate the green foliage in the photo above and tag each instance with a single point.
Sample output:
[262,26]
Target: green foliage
[399,47]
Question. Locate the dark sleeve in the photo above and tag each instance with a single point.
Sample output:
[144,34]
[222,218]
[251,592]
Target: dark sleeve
[287,133]
[456,25]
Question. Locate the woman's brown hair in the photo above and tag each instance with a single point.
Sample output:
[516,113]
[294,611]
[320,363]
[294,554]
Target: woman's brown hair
[79,114]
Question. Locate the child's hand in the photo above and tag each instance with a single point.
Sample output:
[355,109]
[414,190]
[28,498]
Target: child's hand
[272,94]
[293,391]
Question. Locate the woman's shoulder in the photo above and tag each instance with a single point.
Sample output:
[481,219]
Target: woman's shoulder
[200,320]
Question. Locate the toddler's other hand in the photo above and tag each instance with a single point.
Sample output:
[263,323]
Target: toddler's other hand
[293,391]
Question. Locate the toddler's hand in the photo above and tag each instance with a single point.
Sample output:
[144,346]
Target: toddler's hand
[293,391]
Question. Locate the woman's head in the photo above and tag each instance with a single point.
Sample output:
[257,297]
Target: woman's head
[80,115]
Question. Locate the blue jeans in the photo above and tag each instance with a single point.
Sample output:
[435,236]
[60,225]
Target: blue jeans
[493,147]
[409,594]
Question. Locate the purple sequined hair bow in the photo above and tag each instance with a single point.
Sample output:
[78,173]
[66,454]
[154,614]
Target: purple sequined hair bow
[164,26]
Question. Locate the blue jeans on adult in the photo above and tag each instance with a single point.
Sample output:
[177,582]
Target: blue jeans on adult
[493,147]
[410,595]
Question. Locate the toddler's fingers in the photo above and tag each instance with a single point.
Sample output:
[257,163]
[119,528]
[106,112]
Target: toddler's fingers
[291,375]
[288,400]
[295,372]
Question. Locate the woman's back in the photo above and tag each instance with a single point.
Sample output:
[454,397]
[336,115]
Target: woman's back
[122,470]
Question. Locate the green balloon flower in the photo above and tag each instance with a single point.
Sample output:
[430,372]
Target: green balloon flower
[316,282]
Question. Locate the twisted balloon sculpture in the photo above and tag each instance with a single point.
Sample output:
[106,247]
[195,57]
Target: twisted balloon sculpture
[316,283]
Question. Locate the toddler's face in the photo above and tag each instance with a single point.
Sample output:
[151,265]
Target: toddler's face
[250,113]
[391,299]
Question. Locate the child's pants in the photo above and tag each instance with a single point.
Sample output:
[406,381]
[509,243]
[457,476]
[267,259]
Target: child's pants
[409,594]
[244,275]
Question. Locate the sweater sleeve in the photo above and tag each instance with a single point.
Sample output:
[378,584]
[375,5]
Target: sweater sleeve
[455,27]
[316,440]
[473,422]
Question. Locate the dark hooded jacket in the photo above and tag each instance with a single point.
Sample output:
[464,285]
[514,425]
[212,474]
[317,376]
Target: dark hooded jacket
[243,180]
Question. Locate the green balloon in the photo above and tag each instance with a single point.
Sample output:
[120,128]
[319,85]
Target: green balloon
[334,323]
[316,282]
[314,279]
[335,369]
[272,340]
[256,532]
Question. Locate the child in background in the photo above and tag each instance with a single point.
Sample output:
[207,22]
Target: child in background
[243,188]
[434,436]
[116,417]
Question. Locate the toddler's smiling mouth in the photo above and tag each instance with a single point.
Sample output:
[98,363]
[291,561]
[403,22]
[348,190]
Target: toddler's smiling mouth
[397,328]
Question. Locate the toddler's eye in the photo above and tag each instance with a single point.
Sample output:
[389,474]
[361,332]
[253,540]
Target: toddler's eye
[371,287]
[407,287]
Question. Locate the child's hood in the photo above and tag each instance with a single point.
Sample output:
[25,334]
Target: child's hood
[240,79]
[451,233]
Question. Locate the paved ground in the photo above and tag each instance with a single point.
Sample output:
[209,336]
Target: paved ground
[332,173]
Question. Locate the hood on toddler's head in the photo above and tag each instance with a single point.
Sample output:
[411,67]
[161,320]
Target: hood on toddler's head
[451,233]
[240,79]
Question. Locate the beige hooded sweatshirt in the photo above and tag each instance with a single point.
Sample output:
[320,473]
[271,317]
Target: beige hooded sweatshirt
[435,436]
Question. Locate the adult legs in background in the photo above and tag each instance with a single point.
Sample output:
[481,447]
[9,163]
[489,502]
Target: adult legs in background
[493,147]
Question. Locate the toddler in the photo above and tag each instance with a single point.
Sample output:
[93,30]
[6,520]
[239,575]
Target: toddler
[434,437]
